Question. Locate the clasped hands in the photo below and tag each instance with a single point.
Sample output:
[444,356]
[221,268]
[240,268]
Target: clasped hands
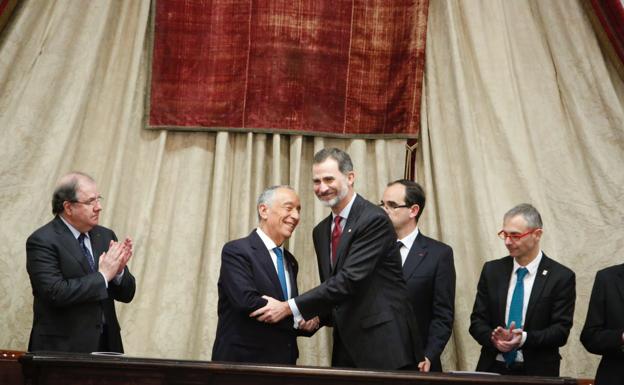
[506,340]
[275,311]
[115,259]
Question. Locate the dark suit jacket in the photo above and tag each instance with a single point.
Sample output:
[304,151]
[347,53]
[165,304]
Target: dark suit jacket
[602,333]
[365,292]
[248,273]
[69,299]
[430,275]
[548,318]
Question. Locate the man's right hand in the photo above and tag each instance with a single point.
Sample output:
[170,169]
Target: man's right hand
[111,260]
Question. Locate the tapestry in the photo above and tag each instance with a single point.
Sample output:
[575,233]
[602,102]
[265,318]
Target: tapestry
[331,68]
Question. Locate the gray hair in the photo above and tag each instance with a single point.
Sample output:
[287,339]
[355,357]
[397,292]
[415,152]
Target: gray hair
[266,197]
[66,190]
[528,212]
[342,158]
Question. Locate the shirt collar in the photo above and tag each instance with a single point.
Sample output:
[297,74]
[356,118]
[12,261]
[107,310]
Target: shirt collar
[73,230]
[408,241]
[345,212]
[532,266]
[268,242]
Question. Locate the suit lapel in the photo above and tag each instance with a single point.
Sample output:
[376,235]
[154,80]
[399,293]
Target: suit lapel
[97,245]
[261,254]
[71,244]
[345,238]
[538,286]
[619,282]
[415,257]
[324,247]
[503,283]
[291,265]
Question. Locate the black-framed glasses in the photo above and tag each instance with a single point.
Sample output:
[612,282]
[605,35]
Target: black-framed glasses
[392,205]
[90,202]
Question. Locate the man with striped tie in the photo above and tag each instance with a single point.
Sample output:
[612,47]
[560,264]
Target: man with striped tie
[77,270]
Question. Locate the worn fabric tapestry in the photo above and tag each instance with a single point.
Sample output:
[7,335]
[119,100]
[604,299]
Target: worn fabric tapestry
[325,67]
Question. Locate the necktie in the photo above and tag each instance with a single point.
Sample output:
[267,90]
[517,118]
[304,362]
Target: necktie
[335,239]
[86,252]
[281,274]
[400,247]
[515,310]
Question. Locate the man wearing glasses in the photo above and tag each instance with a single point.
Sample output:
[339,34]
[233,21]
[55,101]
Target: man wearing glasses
[525,303]
[77,269]
[428,270]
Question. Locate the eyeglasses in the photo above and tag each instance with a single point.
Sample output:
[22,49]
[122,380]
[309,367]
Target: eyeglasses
[91,202]
[391,205]
[514,236]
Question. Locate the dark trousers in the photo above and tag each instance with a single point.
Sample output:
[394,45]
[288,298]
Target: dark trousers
[340,356]
[516,369]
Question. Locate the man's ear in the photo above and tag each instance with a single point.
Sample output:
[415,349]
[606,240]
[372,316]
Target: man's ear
[414,210]
[67,208]
[351,178]
[263,209]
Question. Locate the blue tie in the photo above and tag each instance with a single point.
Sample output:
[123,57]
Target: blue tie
[281,274]
[86,252]
[515,310]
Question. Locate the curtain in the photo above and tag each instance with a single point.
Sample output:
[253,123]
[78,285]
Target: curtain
[521,106]
[72,83]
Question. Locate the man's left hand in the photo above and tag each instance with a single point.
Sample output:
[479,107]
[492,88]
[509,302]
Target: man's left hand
[508,345]
[273,312]
[424,366]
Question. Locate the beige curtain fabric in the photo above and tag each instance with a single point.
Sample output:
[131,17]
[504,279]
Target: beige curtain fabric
[520,106]
[72,83]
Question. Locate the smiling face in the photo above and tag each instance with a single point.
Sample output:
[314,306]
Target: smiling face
[333,188]
[525,249]
[84,214]
[280,216]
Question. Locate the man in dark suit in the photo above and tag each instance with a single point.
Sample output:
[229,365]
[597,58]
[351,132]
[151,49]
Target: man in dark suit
[428,270]
[77,270]
[250,267]
[603,332]
[362,293]
[525,303]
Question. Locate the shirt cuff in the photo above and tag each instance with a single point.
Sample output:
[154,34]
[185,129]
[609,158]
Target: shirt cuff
[118,277]
[296,313]
[524,337]
[105,281]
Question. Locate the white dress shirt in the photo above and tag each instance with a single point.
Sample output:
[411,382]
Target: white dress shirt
[270,245]
[407,242]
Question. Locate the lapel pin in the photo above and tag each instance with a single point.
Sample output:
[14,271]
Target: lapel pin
[348,231]
[544,272]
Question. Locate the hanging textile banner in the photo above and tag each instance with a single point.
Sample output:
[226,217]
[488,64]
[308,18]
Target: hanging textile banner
[6,9]
[325,67]
[607,17]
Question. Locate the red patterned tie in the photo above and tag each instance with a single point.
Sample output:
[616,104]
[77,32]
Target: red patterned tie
[335,238]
